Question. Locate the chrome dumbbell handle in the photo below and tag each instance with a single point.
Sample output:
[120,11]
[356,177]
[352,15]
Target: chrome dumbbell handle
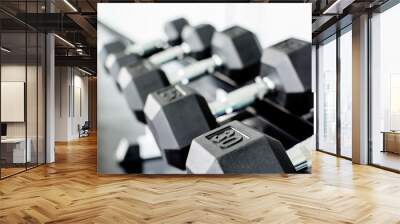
[198,68]
[169,54]
[139,49]
[242,97]
[142,48]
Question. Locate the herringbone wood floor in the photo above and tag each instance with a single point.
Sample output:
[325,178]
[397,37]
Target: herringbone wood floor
[70,191]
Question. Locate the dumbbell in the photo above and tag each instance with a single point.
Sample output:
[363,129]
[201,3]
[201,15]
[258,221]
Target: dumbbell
[235,50]
[170,112]
[237,47]
[196,42]
[291,59]
[120,54]
[128,157]
[237,148]
[114,47]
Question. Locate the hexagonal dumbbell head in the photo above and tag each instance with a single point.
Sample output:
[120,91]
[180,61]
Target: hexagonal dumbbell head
[237,47]
[173,29]
[292,60]
[121,61]
[114,47]
[236,148]
[136,82]
[128,157]
[198,38]
[175,116]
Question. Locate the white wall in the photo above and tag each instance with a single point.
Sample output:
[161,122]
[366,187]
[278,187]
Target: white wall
[12,73]
[68,82]
[33,125]
[79,117]
[82,82]
[61,103]
[12,100]
[269,21]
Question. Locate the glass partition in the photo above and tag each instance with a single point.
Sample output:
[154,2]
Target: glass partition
[14,153]
[32,95]
[23,89]
[41,107]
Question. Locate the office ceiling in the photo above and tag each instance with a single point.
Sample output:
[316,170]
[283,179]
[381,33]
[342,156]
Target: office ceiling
[16,42]
[75,21]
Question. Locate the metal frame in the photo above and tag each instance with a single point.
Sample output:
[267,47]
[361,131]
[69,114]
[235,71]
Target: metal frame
[0,93]
[26,89]
[316,96]
[369,77]
[45,89]
[338,95]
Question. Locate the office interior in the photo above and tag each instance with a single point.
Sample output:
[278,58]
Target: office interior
[377,105]
[47,94]
[48,78]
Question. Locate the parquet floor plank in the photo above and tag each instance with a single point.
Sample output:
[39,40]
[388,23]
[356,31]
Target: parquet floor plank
[70,191]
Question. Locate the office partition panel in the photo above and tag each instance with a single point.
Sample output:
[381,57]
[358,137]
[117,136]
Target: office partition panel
[41,108]
[15,147]
[32,96]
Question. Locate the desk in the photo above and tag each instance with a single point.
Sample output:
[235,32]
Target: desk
[391,141]
[13,150]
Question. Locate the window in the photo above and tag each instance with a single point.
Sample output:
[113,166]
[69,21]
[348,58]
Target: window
[346,93]
[385,89]
[327,96]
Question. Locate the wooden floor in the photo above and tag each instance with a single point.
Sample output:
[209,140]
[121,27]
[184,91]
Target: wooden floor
[70,191]
[387,159]
[10,171]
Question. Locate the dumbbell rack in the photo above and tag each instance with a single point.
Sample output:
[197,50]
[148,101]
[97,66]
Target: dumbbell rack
[263,115]
[273,119]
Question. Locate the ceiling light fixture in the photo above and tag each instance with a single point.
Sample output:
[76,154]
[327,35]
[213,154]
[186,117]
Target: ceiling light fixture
[70,5]
[79,51]
[64,40]
[84,71]
[5,50]
[337,7]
